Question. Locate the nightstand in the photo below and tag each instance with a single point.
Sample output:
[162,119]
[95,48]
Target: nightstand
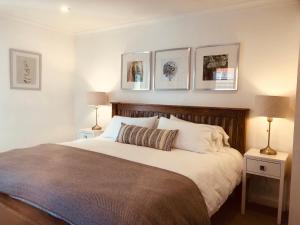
[89,133]
[271,166]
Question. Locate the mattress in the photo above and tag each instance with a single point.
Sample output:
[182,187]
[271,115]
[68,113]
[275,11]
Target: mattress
[216,174]
[89,188]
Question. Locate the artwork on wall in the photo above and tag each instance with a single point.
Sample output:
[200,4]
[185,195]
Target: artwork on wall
[136,71]
[216,67]
[25,70]
[172,69]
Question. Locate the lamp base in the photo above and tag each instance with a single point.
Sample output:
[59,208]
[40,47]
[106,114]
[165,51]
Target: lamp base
[96,127]
[268,151]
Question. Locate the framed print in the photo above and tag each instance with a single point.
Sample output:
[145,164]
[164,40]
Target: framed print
[216,67]
[25,70]
[172,69]
[136,71]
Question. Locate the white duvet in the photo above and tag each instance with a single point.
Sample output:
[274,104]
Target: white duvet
[216,174]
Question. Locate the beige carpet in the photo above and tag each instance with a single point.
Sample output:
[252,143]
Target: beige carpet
[17,213]
[230,214]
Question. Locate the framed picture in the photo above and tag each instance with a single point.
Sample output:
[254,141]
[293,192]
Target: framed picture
[25,70]
[172,69]
[136,71]
[216,67]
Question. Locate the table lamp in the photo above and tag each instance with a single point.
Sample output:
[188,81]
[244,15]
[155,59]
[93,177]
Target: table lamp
[97,99]
[271,107]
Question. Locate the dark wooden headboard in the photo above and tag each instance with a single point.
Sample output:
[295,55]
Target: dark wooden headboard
[233,120]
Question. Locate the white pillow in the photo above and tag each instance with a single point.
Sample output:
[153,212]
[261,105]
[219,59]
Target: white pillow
[112,130]
[191,136]
[220,136]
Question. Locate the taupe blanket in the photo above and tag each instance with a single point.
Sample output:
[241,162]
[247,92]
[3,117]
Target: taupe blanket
[87,188]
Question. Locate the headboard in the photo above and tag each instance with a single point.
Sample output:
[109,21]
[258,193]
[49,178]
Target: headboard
[233,120]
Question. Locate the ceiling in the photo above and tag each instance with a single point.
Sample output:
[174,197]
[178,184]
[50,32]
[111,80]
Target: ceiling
[89,15]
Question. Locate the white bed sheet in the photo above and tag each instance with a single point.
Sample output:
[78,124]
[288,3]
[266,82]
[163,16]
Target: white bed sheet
[216,174]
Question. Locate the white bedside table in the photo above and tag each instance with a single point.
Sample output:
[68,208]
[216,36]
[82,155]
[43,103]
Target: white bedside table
[89,133]
[272,166]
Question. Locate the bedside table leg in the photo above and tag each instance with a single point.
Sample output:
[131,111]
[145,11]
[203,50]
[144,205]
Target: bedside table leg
[244,185]
[280,201]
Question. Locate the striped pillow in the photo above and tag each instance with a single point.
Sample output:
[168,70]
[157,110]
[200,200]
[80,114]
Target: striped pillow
[142,136]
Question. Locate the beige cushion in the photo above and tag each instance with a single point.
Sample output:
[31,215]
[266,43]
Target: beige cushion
[221,138]
[191,137]
[142,136]
[114,126]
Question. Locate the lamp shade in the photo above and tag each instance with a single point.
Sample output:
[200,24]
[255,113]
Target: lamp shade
[97,98]
[271,106]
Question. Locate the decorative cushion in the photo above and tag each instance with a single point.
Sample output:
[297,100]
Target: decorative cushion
[142,136]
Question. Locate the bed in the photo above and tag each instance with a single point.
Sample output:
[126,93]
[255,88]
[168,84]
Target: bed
[221,171]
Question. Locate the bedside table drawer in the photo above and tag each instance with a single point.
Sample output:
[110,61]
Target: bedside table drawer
[263,167]
[83,135]
[89,133]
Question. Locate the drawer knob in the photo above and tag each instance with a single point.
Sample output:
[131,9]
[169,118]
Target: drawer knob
[262,168]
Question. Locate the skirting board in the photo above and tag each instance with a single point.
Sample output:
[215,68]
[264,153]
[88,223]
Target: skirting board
[268,200]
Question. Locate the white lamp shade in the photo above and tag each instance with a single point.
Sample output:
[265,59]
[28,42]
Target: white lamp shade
[97,98]
[271,106]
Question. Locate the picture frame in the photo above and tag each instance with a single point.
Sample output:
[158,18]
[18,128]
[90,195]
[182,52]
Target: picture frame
[216,67]
[136,71]
[172,69]
[25,70]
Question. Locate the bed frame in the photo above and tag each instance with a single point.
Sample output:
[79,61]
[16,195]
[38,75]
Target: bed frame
[233,120]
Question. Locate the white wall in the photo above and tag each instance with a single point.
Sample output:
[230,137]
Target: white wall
[295,185]
[269,38]
[268,62]
[32,117]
